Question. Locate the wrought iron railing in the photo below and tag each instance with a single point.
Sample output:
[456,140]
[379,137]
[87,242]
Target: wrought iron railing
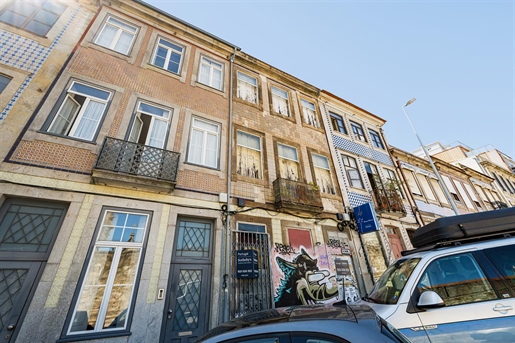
[298,195]
[387,200]
[137,159]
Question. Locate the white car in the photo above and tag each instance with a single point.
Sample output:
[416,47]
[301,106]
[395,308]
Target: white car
[458,285]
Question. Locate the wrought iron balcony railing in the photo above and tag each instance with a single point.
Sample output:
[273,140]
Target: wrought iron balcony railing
[388,200]
[297,195]
[138,159]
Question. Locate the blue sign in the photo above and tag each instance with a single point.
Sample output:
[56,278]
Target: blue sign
[246,264]
[366,218]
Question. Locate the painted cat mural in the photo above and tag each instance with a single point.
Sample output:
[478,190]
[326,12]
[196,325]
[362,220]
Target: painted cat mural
[303,282]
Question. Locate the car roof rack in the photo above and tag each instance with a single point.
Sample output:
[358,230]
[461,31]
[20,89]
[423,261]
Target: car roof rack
[464,229]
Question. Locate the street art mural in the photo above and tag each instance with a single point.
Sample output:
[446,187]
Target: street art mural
[322,273]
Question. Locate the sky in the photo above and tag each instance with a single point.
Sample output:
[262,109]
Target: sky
[457,58]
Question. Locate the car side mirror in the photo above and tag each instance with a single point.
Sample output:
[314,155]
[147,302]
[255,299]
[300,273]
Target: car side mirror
[430,299]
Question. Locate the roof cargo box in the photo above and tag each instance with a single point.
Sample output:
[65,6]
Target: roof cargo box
[465,226]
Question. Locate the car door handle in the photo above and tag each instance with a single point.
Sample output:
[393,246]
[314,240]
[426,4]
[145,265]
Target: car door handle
[501,308]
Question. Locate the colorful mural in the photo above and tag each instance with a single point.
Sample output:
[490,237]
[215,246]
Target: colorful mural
[321,274]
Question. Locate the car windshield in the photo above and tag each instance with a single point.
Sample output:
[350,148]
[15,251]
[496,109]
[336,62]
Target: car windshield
[389,287]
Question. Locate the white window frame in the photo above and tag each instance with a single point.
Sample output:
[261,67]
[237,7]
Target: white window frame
[121,27]
[161,43]
[357,130]
[348,162]
[78,117]
[310,113]
[118,246]
[327,188]
[204,146]
[279,95]
[294,159]
[213,66]
[376,139]
[259,149]
[244,78]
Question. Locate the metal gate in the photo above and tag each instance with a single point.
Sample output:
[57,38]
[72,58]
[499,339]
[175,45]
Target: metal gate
[251,295]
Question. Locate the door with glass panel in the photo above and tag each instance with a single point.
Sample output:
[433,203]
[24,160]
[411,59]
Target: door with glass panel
[188,297]
[27,233]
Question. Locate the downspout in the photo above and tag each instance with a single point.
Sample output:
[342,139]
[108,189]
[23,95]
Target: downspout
[223,312]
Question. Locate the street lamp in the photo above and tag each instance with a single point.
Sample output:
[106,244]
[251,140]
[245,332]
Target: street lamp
[442,184]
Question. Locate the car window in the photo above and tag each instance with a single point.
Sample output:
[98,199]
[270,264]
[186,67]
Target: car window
[458,280]
[281,338]
[504,260]
[312,338]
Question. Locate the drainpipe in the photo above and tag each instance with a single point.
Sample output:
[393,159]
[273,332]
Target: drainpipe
[223,311]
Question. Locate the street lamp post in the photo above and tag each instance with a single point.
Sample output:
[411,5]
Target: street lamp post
[442,184]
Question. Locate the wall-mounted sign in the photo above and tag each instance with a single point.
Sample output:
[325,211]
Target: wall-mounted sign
[366,218]
[246,264]
[342,267]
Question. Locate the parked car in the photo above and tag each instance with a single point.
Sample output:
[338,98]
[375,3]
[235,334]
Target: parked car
[458,284]
[330,323]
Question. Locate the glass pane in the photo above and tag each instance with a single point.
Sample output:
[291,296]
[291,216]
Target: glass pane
[249,140]
[90,91]
[11,282]
[320,161]
[187,305]
[54,7]
[122,25]
[46,17]
[160,58]
[193,239]
[170,45]
[122,289]
[88,305]
[4,81]
[287,152]
[12,18]
[205,125]
[90,120]
[174,63]
[146,108]
[195,150]
[279,92]
[124,43]
[308,104]
[107,35]
[211,157]
[204,74]
[37,27]
[65,117]
[247,79]
[28,228]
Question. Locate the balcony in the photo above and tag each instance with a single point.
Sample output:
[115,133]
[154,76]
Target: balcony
[296,195]
[388,200]
[136,166]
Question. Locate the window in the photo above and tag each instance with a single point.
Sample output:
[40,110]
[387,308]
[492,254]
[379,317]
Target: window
[358,131]
[351,169]
[337,123]
[4,81]
[323,174]
[504,260]
[439,191]
[106,294]
[458,280]
[310,113]
[117,35]
[412,183]
[168,56]
[376,139]
[288,162]
[373,176]
[36,16]
[280,101]
[249,155]
[506,184]
[424,183]
[150,125]
[211,73]
[394,182]
[204,143]
[247,88]
[499,182]
[451,189]
[81,112]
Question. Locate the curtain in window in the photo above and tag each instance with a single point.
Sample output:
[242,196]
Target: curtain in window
[124,43]
[217,79]
[280,105]
[247,92]
[90,119]
[324,181]
[212,150]
[309,113]
[65,116]
[158,134]
[195,151]
[204,74]
[107,36]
